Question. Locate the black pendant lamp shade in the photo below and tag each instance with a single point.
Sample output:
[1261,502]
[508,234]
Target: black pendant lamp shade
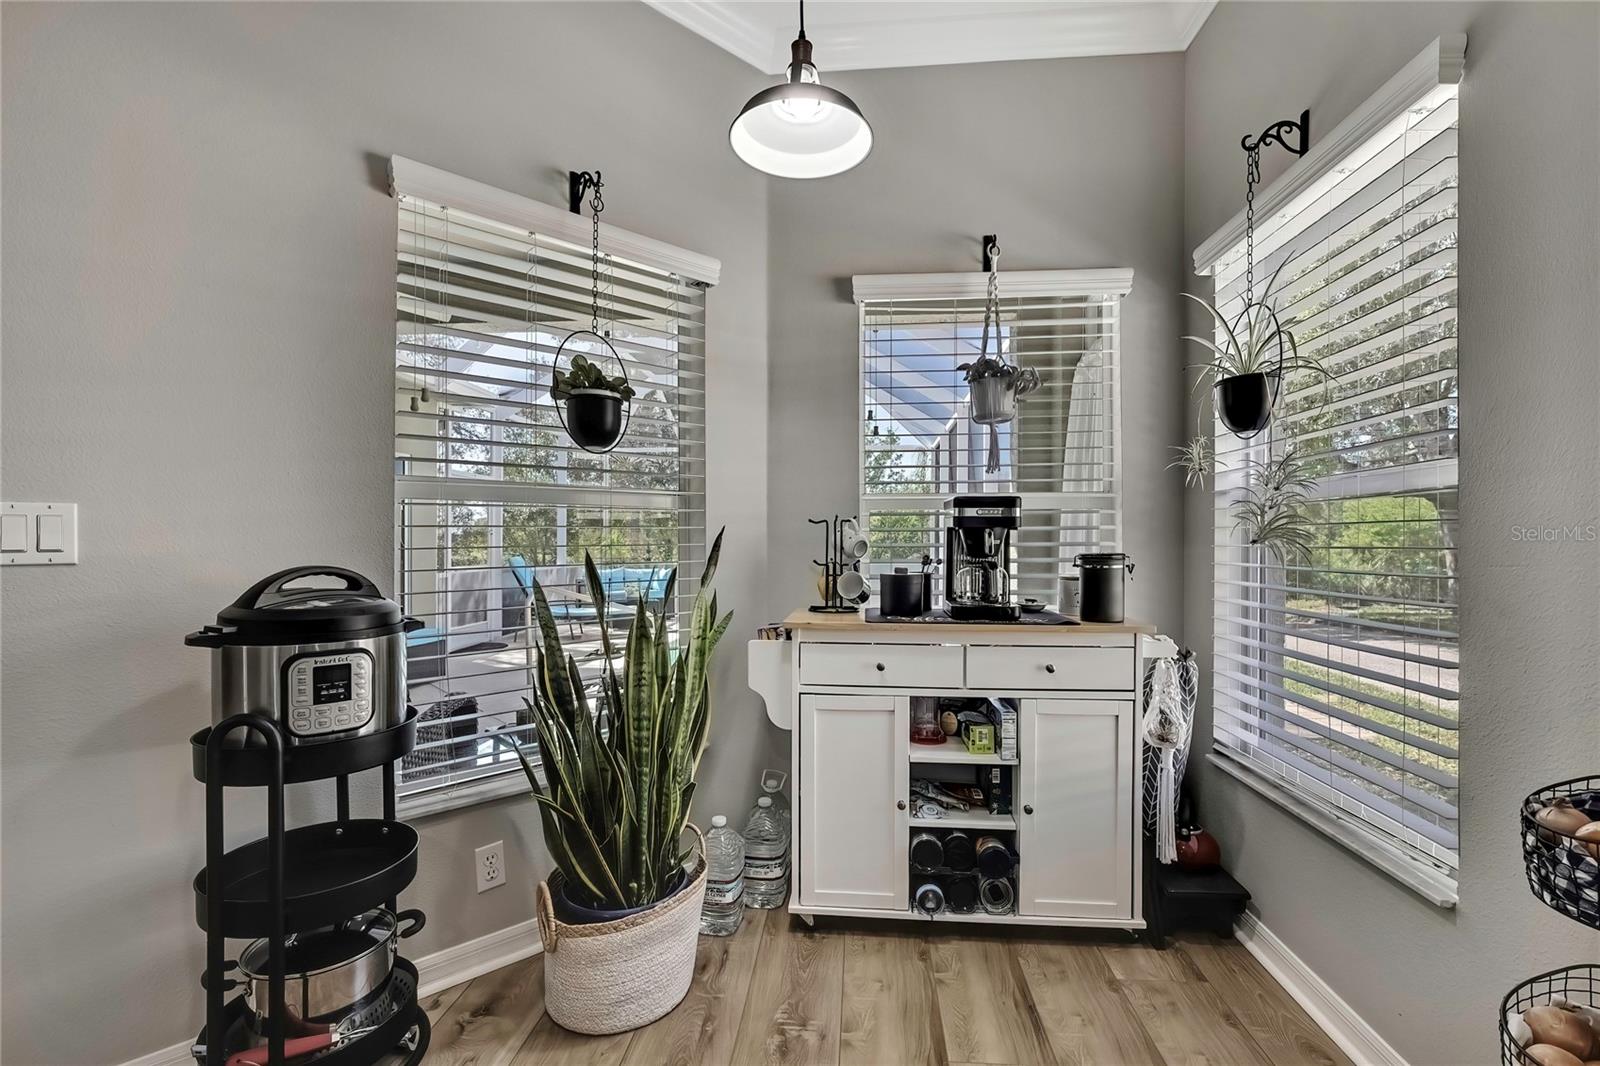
[801,128]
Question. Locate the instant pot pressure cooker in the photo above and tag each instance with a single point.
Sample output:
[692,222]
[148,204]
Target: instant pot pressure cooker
[325,662]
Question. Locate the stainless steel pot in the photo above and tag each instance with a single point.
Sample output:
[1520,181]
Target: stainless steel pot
[328,972]
[325,663]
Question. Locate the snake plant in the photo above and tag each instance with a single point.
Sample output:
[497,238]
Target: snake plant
[618,782]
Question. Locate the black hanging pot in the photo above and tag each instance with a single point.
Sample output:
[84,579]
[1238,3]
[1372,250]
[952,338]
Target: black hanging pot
[595,418]
[1245,402]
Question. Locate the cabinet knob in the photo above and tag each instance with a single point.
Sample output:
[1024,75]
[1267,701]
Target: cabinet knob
[1027,808]
[1049,668]
[880,668]
[900,805]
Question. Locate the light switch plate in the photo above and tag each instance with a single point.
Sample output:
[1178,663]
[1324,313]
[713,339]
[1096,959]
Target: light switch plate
[38,534]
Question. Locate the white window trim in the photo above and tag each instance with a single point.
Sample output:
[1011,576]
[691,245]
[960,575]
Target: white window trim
[1355,837]
[1441,63]
[407,177]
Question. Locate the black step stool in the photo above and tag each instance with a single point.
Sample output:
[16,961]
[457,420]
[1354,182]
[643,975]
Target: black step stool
[1178,899]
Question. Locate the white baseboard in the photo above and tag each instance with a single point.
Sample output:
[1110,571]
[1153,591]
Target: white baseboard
[441,970]
[1337,1018]
[453,966]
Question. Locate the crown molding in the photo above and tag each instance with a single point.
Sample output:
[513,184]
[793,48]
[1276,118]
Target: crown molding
[728,27]
[877,36]
[1107,282]
[407,177]
[1441,63]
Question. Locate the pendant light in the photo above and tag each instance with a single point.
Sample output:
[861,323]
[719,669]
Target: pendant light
[801,128]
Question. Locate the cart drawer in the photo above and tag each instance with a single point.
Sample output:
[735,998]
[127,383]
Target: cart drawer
[1038,666]
[904,665]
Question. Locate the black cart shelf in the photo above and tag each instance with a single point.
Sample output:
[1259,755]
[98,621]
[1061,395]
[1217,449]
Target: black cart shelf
[293,880]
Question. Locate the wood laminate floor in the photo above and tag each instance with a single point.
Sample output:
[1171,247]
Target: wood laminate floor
[881,994]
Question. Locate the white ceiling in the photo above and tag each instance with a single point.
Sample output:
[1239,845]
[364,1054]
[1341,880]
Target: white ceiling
[860,34]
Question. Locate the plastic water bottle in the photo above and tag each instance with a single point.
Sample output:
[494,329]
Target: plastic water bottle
[766,856]
[724,906]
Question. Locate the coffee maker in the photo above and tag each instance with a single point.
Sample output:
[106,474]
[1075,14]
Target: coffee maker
[977,551]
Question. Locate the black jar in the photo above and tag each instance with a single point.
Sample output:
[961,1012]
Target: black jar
[1100,581]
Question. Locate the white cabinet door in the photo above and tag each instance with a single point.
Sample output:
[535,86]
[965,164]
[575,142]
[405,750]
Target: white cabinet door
[1076,821]
[854,780]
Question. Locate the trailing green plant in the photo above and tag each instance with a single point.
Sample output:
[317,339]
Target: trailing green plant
[618,782]
[1254,342]
[586,375]
[1271,513]
[1195,458]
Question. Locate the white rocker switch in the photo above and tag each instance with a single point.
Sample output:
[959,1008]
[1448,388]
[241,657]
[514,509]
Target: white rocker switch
[13,533]
[52,533]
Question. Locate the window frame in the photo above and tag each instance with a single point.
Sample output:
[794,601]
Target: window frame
[1439,65]
[876,290]
[409,178]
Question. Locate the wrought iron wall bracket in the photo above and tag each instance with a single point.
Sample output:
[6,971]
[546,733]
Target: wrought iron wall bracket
[579,182]
[1279,131]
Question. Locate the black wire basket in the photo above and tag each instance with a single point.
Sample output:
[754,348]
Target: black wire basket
[1576,984]
[1564,872]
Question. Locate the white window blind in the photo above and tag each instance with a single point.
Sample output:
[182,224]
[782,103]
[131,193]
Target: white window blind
[1337,675]
[1061,453]
[489,491]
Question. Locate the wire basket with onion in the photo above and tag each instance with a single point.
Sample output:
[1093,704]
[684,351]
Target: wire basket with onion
[1552,1019]
[1561,847]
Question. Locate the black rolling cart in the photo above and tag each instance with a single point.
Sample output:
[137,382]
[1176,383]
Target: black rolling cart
[298,880]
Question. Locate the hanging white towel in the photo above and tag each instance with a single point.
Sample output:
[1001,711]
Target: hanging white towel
[1170,688]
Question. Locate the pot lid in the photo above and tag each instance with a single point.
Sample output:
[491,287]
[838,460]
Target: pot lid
[291,607]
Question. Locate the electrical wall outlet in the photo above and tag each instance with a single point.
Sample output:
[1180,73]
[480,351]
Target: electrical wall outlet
[490,863]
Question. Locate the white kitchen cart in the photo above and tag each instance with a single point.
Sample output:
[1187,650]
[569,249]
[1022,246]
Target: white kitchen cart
[843,688]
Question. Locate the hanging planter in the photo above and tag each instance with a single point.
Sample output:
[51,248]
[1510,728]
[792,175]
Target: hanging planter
[1245,402]
[993,385]
[1252,355]
[597,406]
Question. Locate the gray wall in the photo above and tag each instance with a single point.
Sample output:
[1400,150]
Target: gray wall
[1430,980]
[1072,163]
[198,323]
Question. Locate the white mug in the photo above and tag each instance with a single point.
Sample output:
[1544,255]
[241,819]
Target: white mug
[852,586]
[852,542]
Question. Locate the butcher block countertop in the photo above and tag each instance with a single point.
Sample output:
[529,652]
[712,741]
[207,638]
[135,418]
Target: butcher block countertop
[857,623]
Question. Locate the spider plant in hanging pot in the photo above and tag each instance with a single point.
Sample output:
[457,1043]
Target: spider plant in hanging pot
[597,405]
[1251,357]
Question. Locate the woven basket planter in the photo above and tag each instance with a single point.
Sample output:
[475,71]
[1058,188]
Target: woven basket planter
[613,976]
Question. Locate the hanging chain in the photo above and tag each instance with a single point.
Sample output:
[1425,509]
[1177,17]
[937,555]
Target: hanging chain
[1252,174]
[597,205]
[991,304]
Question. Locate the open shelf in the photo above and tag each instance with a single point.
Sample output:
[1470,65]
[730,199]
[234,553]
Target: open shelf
[967,820]
[331,871]
[381,1043]
[255,765]
[954,751]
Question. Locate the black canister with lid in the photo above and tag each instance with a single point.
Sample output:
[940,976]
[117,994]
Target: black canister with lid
[903,594]
[1100,581]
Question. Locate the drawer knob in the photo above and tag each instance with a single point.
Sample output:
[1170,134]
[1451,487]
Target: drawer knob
[1049,668]
[900,805]
[1027,808]
[880,668]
